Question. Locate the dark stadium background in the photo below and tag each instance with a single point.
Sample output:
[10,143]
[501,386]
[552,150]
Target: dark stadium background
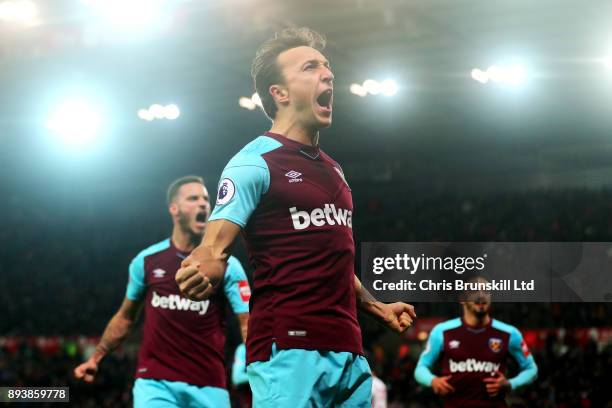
[446,159]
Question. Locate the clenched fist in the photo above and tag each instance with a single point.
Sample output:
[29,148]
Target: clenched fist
[198,275]
[87,371]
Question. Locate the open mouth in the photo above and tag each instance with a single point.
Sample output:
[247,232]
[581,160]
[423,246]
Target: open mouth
[201,217]
[325,99]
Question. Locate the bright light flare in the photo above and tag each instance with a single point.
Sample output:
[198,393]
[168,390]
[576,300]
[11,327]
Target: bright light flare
[358,90]
[372,86]
[157,111]
[250,103]
[75,122]
[607,62]
[510,74]
[129,14]
[389,87]
[22,11]
[172,112]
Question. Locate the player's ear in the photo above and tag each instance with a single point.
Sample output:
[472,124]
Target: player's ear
[279,93]
[173,209]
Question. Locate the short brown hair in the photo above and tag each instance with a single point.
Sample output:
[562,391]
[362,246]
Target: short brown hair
[265,70]
[173,188]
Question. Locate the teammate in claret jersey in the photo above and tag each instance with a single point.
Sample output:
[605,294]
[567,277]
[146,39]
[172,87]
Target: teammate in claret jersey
[292,204]
[472,352]
[181,360]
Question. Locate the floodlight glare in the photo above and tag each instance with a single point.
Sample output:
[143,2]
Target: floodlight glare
[145,114]
[480,76]
[358,90]
[607,62]
[18,11]
[372,86]
[128,14]
[172,111]
[256,99]
[157,111]
[389,87]
[75,122]
[246,103]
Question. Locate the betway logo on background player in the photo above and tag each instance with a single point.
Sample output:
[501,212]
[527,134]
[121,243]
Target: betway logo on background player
[471,365]
[177,302]
[320,216]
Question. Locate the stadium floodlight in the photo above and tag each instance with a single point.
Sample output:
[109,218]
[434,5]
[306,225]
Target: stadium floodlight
[389,87]
[145,114]
[75,122]
[480,76]
[256,99]
[158,111]
[22,11]
[372,86]
[172,111]
[514,74]
[358,90]
[246,103]
[129,14]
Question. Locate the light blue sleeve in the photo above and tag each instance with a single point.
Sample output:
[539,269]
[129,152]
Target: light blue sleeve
[520,352]
[239,375]
[136,284]
[429,356]
[243,181]
[236,286]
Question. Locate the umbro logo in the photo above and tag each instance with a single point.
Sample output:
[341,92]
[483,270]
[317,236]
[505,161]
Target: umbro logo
[453,344]
[159,273]
[294,176]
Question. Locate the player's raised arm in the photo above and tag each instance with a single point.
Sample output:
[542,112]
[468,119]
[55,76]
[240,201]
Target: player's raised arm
[397,316]
[206,265]
[115,333]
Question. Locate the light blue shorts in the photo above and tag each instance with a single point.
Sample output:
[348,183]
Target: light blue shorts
[150,393]
[297,378]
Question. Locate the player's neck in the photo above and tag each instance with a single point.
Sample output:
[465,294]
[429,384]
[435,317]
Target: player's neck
[293,130]
[473,320]
[184,242]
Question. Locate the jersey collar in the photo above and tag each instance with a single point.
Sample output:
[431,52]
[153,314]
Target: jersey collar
[311,152]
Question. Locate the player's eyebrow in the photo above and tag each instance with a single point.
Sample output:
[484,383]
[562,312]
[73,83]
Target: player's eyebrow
[318,62]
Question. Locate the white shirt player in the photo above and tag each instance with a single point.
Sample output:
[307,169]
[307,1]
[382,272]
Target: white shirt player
[379,393]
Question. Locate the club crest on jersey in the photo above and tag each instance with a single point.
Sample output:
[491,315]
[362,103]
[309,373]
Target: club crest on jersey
[227,189]
[495,344]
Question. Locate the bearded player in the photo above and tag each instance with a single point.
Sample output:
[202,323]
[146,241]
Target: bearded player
[181,361]
[294,208]
[473,351]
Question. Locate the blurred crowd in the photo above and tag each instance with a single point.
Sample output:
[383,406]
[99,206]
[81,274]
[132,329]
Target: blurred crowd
[64,272]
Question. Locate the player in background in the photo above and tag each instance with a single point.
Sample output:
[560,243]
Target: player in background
[181,360]
[294,208]
[473,351]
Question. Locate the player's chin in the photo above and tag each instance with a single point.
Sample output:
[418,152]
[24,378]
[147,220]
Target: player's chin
[198,228]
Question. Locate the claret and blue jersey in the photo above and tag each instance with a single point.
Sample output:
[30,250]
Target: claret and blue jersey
[182,340]
[295,210]
[469,354]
